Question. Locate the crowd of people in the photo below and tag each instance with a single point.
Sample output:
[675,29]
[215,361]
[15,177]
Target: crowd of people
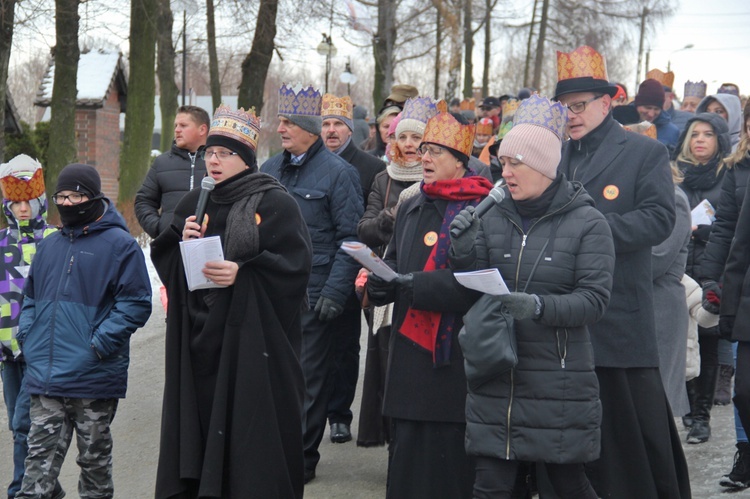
[620,232]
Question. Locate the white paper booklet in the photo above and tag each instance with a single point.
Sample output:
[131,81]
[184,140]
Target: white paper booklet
[368,259]
[486,280]
[195,254]
[703,213]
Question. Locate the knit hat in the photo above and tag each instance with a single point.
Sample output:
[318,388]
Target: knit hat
[417,112]
[583,70]
[22,179]
[650,93]
[536,136]
[394,124]
[340,108]
[238,131]
[81,178]
[301,106]
[620,94]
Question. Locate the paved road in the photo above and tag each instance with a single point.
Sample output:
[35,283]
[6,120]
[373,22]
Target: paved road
[345,471]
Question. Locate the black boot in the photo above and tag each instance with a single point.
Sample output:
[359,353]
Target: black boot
[705,387]
[687,419]
[739,477]
[723,394]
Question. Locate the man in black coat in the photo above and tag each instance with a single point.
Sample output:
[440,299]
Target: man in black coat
[628,176]
[337,135]
[173,173]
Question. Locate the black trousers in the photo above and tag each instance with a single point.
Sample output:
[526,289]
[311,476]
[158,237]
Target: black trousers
[317,362]
[495,479]
[347,329]
[742,384]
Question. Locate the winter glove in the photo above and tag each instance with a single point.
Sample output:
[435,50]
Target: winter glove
[726,325]
[711,297]
[701,233]
[327,309]
[381,292]
[386,221]
[522,305]
[468,226]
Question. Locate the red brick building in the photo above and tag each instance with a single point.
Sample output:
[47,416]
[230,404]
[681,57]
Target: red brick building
[102,91]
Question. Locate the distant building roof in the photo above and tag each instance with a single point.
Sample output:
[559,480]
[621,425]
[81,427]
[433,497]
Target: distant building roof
[97,71]
[12,118]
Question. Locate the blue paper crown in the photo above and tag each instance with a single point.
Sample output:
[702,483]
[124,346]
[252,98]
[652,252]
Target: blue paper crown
[540,111]
[695,89]
[299,101]
[419,108]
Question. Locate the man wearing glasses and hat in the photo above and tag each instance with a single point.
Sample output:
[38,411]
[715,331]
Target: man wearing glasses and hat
[628,176]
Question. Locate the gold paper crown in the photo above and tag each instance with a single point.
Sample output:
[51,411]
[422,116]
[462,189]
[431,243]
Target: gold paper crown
[444,130]
[582,62]
[484,127]
[22,179]
[468,104]
[510,106]
[337,106]
[242,126]
[666,79]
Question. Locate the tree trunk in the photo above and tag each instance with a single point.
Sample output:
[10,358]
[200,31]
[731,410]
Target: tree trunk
[540,46]
[213,61]
[487,45]
[255,65]
[468,51]
[528,46]
[7,11]
[644,15]
[168,90]
[438,36]
[139,117]
[62,136]
[452,15]
[382,48]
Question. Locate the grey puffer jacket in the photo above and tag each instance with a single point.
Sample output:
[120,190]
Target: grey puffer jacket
[547,408]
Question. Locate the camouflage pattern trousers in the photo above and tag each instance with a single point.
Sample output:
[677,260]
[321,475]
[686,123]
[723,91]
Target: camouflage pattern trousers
[53,420]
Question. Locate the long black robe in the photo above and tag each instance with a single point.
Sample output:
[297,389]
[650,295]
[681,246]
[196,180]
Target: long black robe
[232,413]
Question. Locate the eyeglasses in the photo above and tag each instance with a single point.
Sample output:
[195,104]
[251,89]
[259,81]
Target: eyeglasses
[74,198]
[220,155]
[435,151]
[579,107]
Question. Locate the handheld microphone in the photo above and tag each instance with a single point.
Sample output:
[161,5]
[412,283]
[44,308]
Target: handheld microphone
[494,197]
[207,185]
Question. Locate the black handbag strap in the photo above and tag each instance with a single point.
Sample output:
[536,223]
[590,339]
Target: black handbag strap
[536,264]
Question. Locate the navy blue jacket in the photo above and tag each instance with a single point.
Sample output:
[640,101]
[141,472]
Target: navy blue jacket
[328,192]
[88,290]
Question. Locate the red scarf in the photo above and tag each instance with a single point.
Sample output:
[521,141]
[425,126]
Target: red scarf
[433,330]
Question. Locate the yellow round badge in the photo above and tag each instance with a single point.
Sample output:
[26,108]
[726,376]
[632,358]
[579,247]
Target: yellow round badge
[611,192]
[257,219]
[430,238]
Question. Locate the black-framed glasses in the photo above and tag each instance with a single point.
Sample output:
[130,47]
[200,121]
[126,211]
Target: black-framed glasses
[74,198]
[435,151]
[579,107]
[220,155]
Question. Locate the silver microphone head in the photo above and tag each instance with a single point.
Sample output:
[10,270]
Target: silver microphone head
[208,183]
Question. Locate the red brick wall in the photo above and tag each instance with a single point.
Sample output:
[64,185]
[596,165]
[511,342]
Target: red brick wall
[98,134]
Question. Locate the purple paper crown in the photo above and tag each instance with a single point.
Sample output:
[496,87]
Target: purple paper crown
[419,108]
[695,89]
[300,101]
[540,111]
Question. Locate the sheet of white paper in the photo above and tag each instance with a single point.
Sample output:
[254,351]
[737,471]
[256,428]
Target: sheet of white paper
[486,280]
[195,254]
[369,259]
[703,213]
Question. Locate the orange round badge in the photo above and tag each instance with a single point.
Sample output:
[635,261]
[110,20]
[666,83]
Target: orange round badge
[257,219]
[611,192]
[430,238]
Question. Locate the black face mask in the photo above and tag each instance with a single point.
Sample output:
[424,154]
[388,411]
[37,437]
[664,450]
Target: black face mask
[81,214]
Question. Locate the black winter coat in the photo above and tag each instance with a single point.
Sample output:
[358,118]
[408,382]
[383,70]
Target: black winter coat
[166,182]
[629,178]
[367,166]
[373,231]
[327,190]
[722,231]
[547,408]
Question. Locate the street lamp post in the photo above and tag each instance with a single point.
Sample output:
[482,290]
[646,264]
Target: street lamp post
[348,77]
[669,61]
[328,49]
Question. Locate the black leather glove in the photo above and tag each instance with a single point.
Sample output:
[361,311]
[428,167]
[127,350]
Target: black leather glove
[381,292]
[701,233]
[711,297]
[726,325]
[468,226]
[327,309]
[386,220]
[522,305]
